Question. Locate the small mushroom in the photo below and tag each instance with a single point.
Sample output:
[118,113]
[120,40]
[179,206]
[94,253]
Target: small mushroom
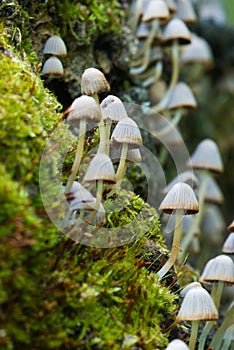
[52,66]
[55,46]
[179,201]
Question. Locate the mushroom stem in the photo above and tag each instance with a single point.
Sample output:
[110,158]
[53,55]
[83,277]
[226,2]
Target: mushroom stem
[135,13]
[121,168]
[193,335]
[174,78]
[79,154]
[175,245]
[204,334]
[194,228]
[155,75]
[107,134]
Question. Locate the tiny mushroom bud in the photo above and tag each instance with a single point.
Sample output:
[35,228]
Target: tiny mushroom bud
[55,46]
[52,65]
[177,344]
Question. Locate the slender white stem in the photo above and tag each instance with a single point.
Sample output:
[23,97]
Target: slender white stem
[121,168]
[216,293]
[79,154]
[193,335]
[175,245]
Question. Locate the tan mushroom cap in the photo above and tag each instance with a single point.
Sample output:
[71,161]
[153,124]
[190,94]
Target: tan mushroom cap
[197,305]
[207,156]
[176,29]
[84,107]
[113,108]
[180,197]
[231,227]
[181,96]
[52,65]
[177,344]
[221,268]
[55,46]
[156,9]
[185,11]
[228,246]
[100,168]
[198,51]
[93,81]
[127,131]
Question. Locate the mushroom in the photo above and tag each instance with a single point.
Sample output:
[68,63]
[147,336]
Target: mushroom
[185,11]
[127,135]
[52,65]
[83,108]
[93,82]
[101,171]
[55,46]
[179,201]
[187,177]
[196,306]
[228,246]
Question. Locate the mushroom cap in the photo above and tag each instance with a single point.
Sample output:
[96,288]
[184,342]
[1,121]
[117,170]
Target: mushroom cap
[185,290]
[81,197]
[185,11]
[187,177]
[155,10]
[231,227]
[55,46]
[127,131]
[52,65]
[221,268]
[100,168]
[197,305]
[176,29]
[93,81]
[84,107]
[181,96]
[213,193]
[180,197]
[113,108]
[228,246]
[207,156]
[177,344]
[133,155]
[198,51]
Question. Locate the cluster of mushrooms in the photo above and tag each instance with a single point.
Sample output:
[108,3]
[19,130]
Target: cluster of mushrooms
[193,197]
[55,48]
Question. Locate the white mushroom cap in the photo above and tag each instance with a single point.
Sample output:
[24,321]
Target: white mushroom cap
[221,268]
[181,96]
[185,11]
[100,168]
[228,246]
[176,29]
[180,196]
[52,65]
[177,344]
[84,107]
[197,305]
[185,290]
[155,10]
[93,81]
[207,156]
[55,46]
[80,197]
[187,177]
[113,108]
[127,131]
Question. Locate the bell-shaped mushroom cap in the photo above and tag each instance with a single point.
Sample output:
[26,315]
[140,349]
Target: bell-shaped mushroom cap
[185,11]
[207,156]
[113,108]
[93,81]
[171,4]
[176,29]
[213,193]
[187,177]
[155,10]
[84,107]
[231,227]
[197,305]
[228,246]
[80,197]
[221,268]
[52,65]
[199,51]
[181,96]
[185,290]
[177,344]
[180,197]
[55,46]
[100,168]
[127,131]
